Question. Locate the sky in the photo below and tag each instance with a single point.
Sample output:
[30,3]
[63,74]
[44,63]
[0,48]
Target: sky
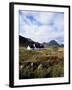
[42,26]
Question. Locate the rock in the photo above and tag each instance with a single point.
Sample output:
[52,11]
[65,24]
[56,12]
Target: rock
[32,64]
[39,66]
[21,66]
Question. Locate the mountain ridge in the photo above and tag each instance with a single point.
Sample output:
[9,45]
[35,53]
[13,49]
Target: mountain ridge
[23,41]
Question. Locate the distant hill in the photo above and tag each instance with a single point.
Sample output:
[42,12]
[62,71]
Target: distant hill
[62,45]
[23,41]
[53,43]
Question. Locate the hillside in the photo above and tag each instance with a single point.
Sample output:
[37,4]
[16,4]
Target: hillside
[23,41]
[53,43]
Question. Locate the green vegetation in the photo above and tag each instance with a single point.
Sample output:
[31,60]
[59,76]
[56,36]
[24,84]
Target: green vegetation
[42,63]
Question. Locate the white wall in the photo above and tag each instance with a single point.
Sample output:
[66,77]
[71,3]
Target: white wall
[4,44]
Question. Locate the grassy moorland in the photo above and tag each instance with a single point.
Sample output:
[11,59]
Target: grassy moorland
[44,63]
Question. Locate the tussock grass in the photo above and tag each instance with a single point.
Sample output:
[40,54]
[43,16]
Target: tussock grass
[51,59]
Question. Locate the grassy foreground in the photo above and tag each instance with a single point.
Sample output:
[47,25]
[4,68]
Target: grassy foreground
[42,63]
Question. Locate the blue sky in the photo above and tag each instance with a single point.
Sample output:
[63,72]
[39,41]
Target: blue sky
[42,26]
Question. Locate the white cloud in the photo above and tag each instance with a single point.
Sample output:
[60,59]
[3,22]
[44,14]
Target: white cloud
[40,34]
[45,18]
[52,27]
